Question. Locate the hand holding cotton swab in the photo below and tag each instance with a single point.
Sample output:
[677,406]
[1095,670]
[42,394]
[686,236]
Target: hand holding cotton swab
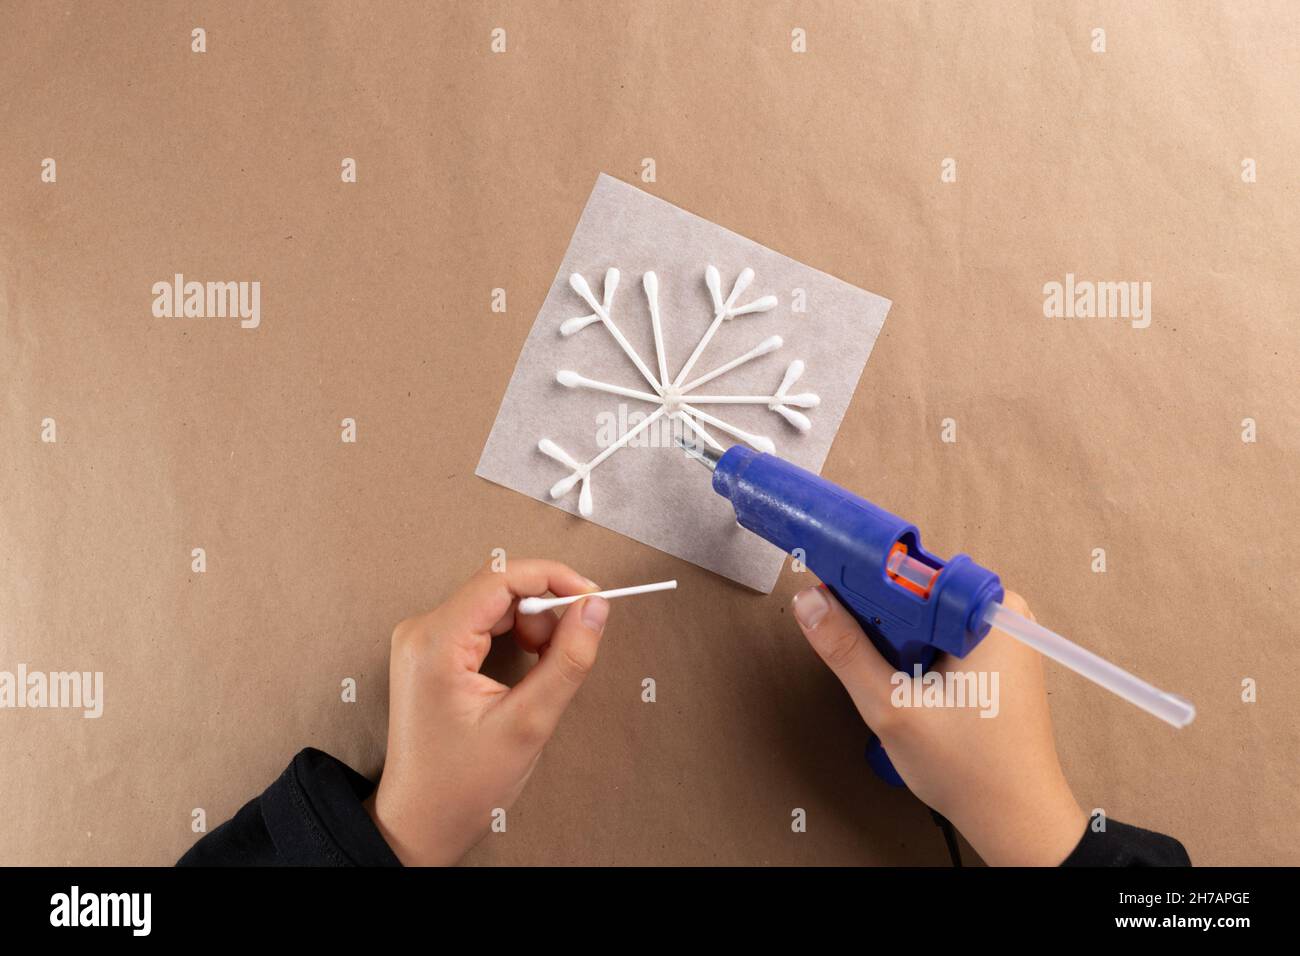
[536,605]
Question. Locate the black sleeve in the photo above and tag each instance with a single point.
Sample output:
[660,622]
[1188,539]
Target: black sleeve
[311,816]
[1124,845]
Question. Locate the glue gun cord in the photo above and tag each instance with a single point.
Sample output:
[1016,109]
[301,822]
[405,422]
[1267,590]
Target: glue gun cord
[949,836]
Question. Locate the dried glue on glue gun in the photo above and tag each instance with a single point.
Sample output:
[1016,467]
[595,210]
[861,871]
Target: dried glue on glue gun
[910,603]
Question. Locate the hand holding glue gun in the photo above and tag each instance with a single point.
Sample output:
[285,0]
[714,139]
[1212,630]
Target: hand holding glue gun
[887,605]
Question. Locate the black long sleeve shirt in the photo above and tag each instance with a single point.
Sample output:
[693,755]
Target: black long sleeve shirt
[313,816]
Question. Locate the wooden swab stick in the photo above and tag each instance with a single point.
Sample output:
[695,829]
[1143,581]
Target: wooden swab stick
[535,605]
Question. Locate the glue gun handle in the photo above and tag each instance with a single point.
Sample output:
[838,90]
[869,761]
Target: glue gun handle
[903,656]
[877,759]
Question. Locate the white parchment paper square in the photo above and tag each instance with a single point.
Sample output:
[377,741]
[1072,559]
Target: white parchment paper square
[653,493]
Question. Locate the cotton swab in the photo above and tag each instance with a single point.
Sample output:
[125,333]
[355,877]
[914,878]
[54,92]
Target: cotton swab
[535,605]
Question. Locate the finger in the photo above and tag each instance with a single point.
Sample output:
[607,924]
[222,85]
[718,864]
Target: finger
[531,631]
[841,643]
[1014,602]
[482,602]
[534,631]
[999,650]
[537,702]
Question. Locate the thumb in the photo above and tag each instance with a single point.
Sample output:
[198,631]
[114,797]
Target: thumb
[538,701]
[838,639]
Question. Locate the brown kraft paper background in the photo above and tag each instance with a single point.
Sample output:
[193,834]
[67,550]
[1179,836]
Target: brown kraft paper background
[473,168]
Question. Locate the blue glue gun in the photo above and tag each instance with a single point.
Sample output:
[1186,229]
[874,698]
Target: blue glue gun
[910,603]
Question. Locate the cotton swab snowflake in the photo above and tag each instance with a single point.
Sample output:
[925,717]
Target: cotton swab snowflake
[677,401]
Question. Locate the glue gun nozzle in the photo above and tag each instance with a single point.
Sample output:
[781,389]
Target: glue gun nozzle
[697,450]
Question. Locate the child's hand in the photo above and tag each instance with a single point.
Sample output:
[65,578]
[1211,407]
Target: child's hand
[997,779]
[460,744]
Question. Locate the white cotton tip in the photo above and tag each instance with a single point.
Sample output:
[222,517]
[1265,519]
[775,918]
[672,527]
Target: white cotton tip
[714,281]
[763,443]
[742,282]
[584,498]
[769,344]
[792,373]
[797,419]
[765,304]
[805,400]
[569,379]
[552,450]
[549,448]
[651,283]
[577,324]
[564,485]
[579,285]
[611,283]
